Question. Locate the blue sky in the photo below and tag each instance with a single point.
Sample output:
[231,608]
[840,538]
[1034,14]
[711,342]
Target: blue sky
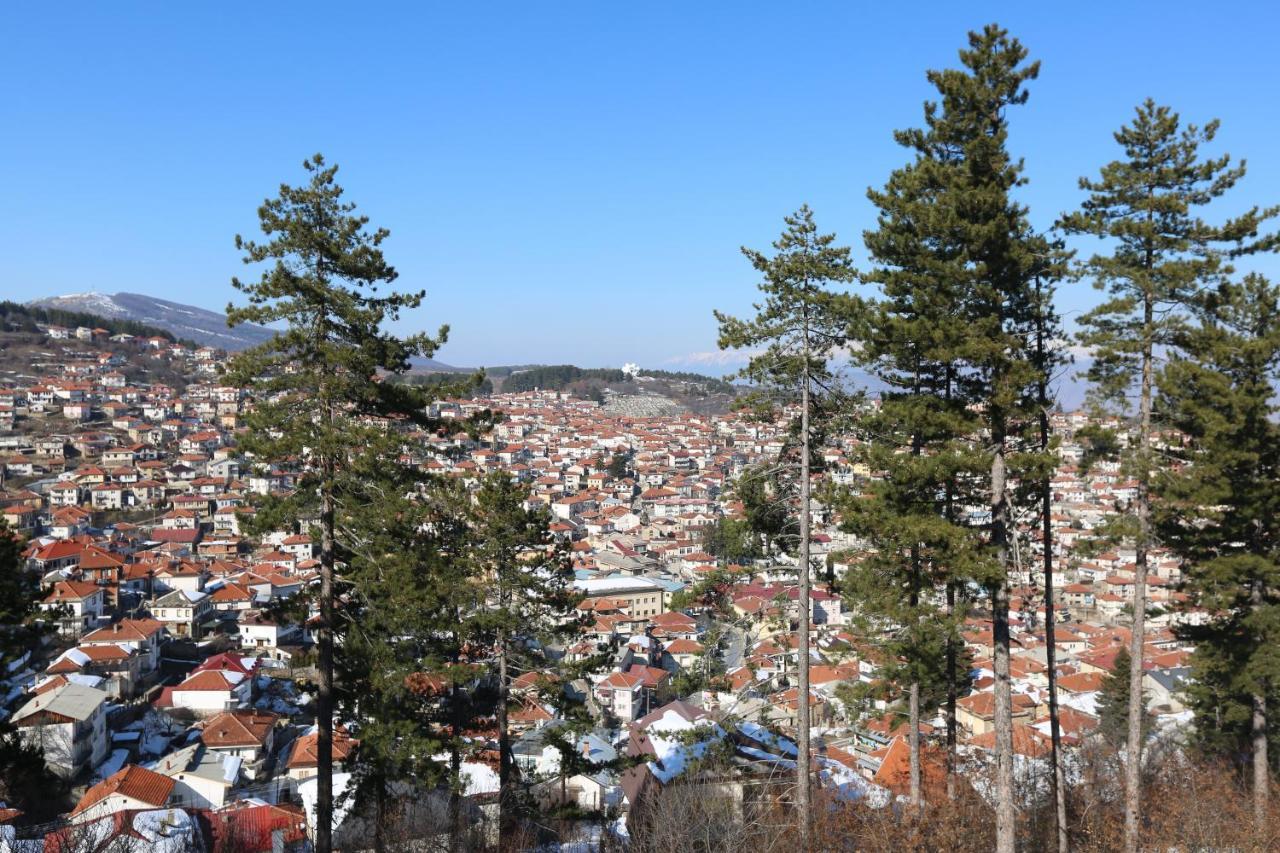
[569,182]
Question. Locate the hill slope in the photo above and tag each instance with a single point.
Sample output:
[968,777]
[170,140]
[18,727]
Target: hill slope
[185,321]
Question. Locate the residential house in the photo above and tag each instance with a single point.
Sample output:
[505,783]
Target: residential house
[69,724]
[78,606]
[184,613]
[129,789]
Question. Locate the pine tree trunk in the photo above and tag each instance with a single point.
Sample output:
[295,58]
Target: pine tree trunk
[455,767]
[1261,774]
[324,693]
[1133,767]
[1050,629]
[1261,765]
[505,811]
[380,825]
[1058,778]
[803,800]
[1006,816]
[914,741]
[952,664]
[913,701]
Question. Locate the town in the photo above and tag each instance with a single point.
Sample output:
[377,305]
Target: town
[171,687]
[583,428]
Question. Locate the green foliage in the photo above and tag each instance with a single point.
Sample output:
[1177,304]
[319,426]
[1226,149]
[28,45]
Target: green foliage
[799,324]
[1113,702]
[954,261]
[732,540]
[763,492]
[557,377]
[19,592]
[451,384]
[711,592]
[1147,206]
[319,395]
[1219,508]
[1099,443]
[525,573]
[24,780]
[619,465]
[708,384]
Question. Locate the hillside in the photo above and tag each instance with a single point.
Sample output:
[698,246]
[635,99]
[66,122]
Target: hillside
[650,392]
[185,321]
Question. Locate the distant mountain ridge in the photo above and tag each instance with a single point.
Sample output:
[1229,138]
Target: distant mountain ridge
[184,321]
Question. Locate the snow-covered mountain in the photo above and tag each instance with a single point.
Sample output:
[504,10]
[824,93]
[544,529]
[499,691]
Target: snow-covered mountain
[184,321]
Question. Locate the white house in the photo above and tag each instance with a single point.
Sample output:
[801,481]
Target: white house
[69,723]
[129,789]
[212,691]
[79,605]
[203,777]
[183,612]
[622,693]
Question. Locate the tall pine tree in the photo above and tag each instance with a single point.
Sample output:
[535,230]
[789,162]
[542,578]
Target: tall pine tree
[985,256]
[798,326]
[1220,511]
[319,377]
[525,580]
[1147,206]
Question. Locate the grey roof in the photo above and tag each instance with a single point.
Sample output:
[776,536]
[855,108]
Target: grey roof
[179,598]
[1170,679]
[70,700]
[196,759]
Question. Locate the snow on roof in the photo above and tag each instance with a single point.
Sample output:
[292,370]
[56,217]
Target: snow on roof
[762,735]
[674,747]
[599,585]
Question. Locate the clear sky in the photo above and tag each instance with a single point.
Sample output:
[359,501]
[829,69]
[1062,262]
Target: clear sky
[570,182]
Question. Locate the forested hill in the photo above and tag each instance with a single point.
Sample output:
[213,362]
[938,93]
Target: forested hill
[560,377]
[692,391]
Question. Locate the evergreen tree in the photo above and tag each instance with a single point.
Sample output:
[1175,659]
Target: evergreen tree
[619,465]
[317,380]
[762,491]
[973,260]
[25,781]
[526,579]
[405,576]
[1113,701]
[1048,327]
[1220,511]
[1148,205]
[799,326]
[731,540]
[920,341]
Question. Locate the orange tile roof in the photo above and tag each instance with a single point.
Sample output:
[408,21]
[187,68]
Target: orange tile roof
[238,728]
[305,748]
[132,781]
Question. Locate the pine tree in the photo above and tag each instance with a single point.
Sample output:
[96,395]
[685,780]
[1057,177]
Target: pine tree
[799,325]
[919,341]
[316,381]
[1148,206]
[25,781]
[1048,358]
[1113,701]
[977,264]
[526,579]
[1220,509]
[405,576]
